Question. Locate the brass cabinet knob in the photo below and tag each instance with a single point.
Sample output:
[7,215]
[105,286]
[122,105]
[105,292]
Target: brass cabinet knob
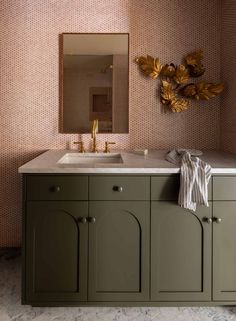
[92,220]
[207,220]
[218,220]
[118,189]
[55,189]
[82,220]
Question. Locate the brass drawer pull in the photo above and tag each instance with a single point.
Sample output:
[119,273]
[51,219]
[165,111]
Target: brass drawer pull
[118,189]
[82,220]
[218,220]
[92,220]
[55,189]
[207,220]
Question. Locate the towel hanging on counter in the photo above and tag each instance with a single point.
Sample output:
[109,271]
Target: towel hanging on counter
[195,175]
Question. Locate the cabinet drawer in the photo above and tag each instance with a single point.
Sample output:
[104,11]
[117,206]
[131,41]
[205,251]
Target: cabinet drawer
[166,188]
[224,188]
[56,187]
[119,188]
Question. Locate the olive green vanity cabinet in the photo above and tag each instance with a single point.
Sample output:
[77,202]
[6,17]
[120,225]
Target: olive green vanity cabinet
[123,240]
[119,251]
[224,251]
[80,251]
[56,251]
[119,238]
[180,252]
[180,245]
[224,239]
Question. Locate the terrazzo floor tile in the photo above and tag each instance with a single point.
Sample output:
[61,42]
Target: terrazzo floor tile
[12,310]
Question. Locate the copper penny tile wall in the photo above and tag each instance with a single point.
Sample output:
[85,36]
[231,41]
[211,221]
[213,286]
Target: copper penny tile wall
[29,78]
[228,108]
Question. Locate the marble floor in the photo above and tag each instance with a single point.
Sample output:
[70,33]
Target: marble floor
[12,310]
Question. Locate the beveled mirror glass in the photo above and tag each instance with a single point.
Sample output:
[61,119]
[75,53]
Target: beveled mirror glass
[94,82]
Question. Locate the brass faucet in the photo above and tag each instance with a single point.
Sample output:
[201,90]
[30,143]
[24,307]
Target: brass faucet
[81,150]
[94,135]
[107,149]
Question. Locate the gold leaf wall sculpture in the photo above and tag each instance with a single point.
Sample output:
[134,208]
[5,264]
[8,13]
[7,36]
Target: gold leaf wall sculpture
[181,75]
[150,66]
[173,93]
[167,92]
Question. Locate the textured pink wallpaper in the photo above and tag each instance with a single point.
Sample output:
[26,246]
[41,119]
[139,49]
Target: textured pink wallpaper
[228,108]
[29,106]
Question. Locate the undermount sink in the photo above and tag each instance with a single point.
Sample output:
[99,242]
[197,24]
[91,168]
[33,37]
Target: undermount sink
[73,159]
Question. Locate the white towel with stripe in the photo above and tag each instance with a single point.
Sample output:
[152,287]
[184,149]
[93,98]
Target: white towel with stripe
[195,175]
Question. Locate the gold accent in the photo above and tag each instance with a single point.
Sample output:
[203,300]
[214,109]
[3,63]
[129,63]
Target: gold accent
[205,91]
[202,90]
[173,93]
[107,149]
[94,135]
[181,75]
[167,92]
[150,66]
[194,58]
[82,150]
[169,98]
[168,70]
[189,91]
[179,104]
[194,63]
[196,71]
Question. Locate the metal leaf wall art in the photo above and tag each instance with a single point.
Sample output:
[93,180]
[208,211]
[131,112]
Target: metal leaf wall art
[175,91]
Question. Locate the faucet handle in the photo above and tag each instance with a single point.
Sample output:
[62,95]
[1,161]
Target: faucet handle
[82,150]
[107,150]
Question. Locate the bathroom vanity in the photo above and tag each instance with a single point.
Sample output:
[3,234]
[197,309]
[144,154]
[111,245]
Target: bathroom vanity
[113,234]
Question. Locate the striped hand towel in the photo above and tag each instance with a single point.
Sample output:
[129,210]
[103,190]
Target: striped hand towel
[194,178]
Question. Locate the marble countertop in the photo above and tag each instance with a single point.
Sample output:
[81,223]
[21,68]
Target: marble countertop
[153,163]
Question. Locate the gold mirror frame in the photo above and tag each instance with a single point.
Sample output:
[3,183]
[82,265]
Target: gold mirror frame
[62,129]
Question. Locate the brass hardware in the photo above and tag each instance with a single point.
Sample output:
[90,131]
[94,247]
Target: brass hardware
[207,220]
[218,220]
[107,150]
[94,135]
[82,220]
[82,150]
[92,220]
[118,189]
[55,189]
[175,92]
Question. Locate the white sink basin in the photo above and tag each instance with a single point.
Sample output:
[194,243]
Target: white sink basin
[73,159]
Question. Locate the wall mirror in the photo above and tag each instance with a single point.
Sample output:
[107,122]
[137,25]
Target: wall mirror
[94,82]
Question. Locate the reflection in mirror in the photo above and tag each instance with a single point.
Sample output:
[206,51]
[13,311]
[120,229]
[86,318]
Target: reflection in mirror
[95,82]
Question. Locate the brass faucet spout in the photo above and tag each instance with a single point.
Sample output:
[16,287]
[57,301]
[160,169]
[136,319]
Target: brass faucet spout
[94,135]
[94,128]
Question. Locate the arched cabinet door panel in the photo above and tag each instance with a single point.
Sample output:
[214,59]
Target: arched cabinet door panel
[56,251]
[180,253]
[224,251]
[118,251]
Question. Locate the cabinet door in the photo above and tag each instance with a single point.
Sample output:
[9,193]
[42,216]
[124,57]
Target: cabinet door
[56,251]
[180,253]
[224,251]
[119,251]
